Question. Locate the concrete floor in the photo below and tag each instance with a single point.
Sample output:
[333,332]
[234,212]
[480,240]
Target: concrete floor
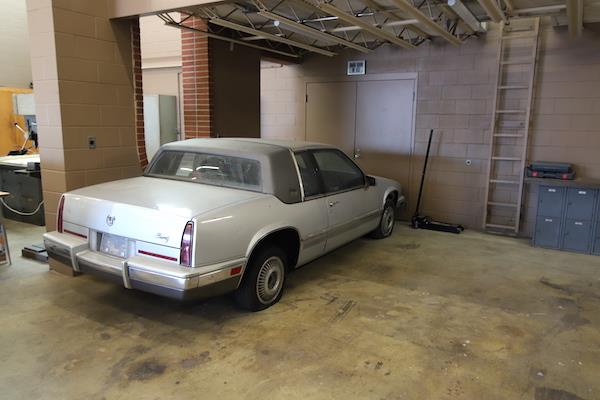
[421,315]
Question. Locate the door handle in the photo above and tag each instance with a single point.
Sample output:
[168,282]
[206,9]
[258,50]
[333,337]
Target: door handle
[333,203]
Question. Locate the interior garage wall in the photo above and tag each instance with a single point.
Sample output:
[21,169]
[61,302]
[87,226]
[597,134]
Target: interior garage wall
[454,97]
[15,68]
[235,74]
[89,86]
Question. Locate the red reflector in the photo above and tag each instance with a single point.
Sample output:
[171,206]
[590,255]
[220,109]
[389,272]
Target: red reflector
[235,270]
[149,253]
[74,233]
[534,173]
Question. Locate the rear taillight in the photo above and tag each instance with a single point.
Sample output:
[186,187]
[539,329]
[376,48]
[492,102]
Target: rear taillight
[59,214]
[185,254]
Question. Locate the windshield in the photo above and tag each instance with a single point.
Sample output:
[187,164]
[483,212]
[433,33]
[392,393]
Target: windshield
[212,169]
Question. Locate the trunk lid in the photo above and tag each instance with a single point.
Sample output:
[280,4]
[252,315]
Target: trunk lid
[153,210]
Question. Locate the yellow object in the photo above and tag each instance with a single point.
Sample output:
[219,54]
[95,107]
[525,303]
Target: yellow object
[10,137]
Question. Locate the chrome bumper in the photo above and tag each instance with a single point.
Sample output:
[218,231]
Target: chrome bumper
[144,273]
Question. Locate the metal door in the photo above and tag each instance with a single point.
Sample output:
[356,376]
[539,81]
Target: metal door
[330,114]
[550,203]
[580,203]
[577,235]
[547,232]
[384,122]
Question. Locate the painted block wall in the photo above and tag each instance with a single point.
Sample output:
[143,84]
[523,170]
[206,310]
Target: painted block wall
[454,97]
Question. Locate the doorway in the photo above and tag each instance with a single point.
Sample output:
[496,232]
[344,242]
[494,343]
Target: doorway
[372,121]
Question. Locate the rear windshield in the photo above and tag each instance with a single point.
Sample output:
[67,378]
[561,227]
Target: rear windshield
[212,169]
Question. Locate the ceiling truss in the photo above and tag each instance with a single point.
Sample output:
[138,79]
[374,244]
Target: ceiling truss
[294,28]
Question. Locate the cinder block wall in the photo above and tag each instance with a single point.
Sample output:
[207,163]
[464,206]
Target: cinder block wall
[454,97]
[85,75]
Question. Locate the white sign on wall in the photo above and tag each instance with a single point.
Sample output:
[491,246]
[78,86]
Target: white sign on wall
[357,67]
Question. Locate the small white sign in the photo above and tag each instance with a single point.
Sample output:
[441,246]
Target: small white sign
[357,67]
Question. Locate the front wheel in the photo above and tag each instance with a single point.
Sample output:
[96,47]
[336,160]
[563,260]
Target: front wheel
[387,221]
[263,281]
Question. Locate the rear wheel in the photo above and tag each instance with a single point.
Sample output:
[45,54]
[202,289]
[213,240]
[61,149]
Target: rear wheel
[387,221]
[263,281]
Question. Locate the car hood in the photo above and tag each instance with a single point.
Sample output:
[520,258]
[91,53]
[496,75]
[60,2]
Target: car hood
[170,197]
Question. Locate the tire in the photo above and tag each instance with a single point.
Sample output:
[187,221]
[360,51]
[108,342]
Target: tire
[263,281]
[386,223]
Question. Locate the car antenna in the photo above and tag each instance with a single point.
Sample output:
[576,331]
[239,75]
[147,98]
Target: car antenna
[419,221]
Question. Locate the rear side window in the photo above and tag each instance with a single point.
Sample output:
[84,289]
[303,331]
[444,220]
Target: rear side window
[211,169]
[337,171]
[309,175]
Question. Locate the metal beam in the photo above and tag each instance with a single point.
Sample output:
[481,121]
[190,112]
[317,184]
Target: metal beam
[575,17]
[493,10]
[405,22]
[308,31]
[269,36]
[465,15]
[426,21]
[540,10]
[373,5]
[351,19]
[230,40]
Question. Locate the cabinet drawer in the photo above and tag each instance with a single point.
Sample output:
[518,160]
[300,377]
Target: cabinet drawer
[577,235]
[550,202]
[580,203]
[547,232]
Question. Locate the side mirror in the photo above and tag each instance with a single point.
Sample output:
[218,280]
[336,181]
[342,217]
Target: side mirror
[371,181]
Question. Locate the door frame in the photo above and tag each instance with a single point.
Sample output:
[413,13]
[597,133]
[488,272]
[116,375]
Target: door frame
[399,76]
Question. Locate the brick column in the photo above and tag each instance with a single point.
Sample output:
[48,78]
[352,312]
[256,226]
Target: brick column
[197,85]
[138,92]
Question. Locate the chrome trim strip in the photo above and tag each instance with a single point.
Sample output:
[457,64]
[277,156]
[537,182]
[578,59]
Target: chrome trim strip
[298,174]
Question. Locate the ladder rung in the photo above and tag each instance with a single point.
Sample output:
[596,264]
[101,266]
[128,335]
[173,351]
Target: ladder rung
[527,61]
[510,87]
[506,158]
[520,36]
[500,204]
[511,111]
[504,181]
[515,135]
[500,226]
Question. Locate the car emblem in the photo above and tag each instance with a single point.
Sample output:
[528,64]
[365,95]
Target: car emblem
[163,237]
[110,220]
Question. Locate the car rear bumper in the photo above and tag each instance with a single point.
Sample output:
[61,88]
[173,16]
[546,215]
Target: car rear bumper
[145,273]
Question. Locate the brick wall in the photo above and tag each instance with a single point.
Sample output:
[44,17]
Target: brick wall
[455,96]
[138,92]
[197,84]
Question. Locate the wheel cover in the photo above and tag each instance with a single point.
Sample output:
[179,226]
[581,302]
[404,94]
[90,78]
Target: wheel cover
[270,280]
[387,221]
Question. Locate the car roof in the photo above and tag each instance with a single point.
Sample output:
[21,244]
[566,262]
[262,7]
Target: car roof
[245,145]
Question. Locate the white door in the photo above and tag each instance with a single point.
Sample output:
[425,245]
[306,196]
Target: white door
[370,120]
[384,125]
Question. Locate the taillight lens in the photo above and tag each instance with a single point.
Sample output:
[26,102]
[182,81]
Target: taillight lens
[59,214]
[185,254]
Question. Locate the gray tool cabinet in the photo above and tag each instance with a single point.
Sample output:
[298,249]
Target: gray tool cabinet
[568,216]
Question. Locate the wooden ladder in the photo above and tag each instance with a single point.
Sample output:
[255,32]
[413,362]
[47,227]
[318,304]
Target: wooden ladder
[511,114]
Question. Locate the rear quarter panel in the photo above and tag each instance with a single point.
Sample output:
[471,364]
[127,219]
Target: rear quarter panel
[233,232]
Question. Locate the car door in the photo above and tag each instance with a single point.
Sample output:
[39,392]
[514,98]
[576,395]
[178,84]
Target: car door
[313,206]
[353,205]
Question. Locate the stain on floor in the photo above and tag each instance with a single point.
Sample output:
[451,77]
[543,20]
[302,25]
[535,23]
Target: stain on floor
[421,315]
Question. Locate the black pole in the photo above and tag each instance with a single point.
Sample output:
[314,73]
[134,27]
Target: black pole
[417,211]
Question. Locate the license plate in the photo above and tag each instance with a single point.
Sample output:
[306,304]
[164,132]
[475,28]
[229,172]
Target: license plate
[113,245]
